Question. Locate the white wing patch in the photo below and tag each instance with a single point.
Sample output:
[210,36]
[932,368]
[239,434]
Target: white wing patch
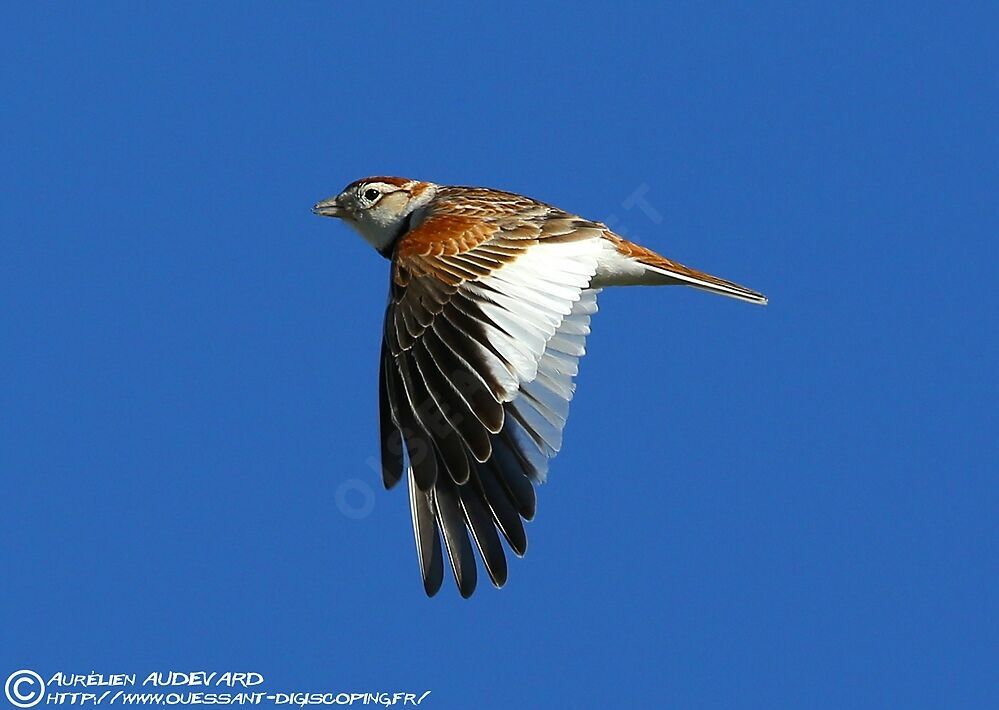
[540,410]
[528,300]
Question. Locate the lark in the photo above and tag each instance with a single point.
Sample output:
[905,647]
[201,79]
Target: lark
[490,299]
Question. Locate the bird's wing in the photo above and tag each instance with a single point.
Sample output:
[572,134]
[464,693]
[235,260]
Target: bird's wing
[487,318]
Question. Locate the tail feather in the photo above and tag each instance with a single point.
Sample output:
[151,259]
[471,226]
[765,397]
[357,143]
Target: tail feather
[660,270]
[680,274]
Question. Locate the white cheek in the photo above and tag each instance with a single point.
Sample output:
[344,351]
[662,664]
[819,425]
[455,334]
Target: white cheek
[381,220]
[377,229]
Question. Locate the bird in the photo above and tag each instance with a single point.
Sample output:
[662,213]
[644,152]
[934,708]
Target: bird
[490,299]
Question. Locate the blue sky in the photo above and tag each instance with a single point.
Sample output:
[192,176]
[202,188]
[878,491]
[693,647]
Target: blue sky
[755,507]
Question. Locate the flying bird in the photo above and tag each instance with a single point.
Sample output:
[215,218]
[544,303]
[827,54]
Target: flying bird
[490,299]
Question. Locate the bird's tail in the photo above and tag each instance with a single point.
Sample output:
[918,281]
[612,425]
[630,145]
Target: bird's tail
[662,271]
[684,275]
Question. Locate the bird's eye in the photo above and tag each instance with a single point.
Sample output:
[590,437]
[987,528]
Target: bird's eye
[371,194]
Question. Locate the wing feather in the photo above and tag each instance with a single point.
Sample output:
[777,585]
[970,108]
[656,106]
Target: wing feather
[451,404]
[487,318]
[389,434]
[480,523]
[418,446]
[508,518]
[452,522]
[468,382]
[428,541]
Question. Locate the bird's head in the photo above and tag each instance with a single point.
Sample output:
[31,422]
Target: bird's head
[379,208]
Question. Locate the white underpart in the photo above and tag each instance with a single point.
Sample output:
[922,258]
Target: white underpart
[616,269]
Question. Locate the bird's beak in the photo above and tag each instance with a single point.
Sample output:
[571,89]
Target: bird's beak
[327,208]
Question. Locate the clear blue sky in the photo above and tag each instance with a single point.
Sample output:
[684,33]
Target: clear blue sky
[791,506]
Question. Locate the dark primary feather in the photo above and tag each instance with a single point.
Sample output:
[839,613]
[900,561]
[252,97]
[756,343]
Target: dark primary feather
[418,447]
[452,405]
[503,510]
[467,382]
[451,455]
[480,524]
[391,438]
[428,541]
[452,523]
